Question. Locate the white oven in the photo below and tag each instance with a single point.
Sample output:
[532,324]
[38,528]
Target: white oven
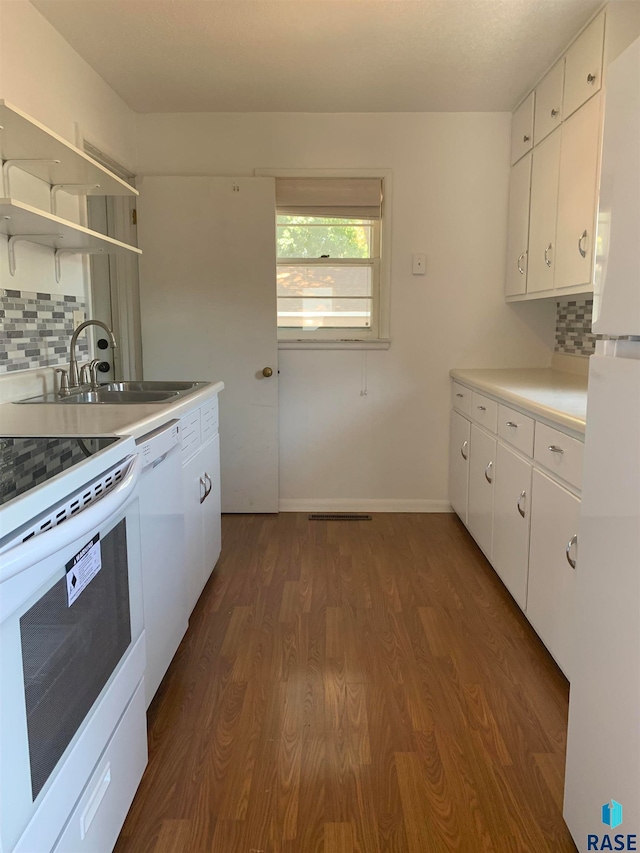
[71,651]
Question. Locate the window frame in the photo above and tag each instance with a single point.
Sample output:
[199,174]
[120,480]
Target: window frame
[377,336]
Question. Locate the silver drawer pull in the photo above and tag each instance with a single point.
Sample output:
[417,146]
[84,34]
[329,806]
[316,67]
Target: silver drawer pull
[555,449]
[486,472]
[511,424]
[526,138]
[482,408]
[547,259]
[465,444]
[583,236]
[554,112]
[521,257]
[523,495]
[459,395]
[591,78]
[203,490]
[573,541]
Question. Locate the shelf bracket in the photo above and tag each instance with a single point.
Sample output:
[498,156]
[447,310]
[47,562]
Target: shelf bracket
[72,189]
[25,238]
[60,252]
[16,163]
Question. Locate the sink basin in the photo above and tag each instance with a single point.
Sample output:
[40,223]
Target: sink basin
[106,395]
[151,385]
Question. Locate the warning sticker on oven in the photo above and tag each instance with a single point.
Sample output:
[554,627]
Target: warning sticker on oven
[83,568]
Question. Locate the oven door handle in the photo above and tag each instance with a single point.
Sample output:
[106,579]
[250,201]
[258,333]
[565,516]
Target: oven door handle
[28,553]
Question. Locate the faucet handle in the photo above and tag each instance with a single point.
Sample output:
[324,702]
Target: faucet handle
[93,372]
[84,374]
[63,390]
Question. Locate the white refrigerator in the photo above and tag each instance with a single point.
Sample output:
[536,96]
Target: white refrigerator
[602,784]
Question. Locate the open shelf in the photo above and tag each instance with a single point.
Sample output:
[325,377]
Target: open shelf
[18,219]
[22,138]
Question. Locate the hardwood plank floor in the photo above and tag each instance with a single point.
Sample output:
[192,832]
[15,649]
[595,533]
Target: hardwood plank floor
[354,687]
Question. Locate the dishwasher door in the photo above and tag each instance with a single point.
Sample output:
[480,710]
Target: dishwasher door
[163,550]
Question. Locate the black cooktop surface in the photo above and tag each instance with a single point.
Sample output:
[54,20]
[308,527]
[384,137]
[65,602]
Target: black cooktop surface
[27,462]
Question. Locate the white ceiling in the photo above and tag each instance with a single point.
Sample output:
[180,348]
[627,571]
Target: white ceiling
[318,55]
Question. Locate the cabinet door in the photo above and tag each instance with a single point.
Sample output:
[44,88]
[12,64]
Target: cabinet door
[518,237]
[548,112]
[212,535]
[577,196]
[583,70]
[544,202]
[550,597]
[522,129]
[193,491]
[459,464]
[511,518]
[482,466]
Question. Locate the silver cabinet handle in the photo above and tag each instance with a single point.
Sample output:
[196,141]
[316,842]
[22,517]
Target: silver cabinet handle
[591,78]
[459,395]
[523,495]
[486,472]
[547,260]
[482,408]
[582,237]
[554,112]
[511,424]
[526,138]
[520,258]
[555,449]
[203,485]
[208,490]
[573,541]
[464,446]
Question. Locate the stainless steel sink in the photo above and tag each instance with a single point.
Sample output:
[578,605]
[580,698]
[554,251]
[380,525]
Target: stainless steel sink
[133,391]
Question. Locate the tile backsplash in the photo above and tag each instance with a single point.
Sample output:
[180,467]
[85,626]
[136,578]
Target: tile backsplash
[573,327]
[36,329]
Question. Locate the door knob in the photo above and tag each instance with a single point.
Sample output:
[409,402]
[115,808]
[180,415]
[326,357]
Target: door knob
[267,371]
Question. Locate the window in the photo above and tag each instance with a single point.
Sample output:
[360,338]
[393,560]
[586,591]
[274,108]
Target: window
[328,237]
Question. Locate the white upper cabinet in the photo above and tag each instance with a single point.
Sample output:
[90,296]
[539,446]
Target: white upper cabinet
[577,196]
[583,71]
[518,236]
[544,201]
[522,129]
[548,111]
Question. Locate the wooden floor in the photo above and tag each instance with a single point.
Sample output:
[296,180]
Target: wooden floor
[354,686]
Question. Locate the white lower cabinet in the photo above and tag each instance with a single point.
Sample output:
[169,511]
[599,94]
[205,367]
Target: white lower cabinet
[459,464]
[482,463]
[511,518]
[550,600]
[201,488]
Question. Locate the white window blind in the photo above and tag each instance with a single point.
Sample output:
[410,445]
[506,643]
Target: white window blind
[346,198]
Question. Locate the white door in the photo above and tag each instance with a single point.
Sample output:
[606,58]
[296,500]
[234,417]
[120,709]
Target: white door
[518,236]
[544,208]
[208,305]
[482,464]
[551,590]
[577,196]
[459,464]
[511,517]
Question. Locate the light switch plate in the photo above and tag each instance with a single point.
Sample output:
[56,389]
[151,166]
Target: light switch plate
[79,317]
[419,264]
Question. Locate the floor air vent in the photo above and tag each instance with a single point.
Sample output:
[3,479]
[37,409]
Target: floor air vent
[339,516]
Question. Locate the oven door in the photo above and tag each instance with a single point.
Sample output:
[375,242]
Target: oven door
[70,616]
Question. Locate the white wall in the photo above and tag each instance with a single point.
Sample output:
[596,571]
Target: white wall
[44,76]
[387,449]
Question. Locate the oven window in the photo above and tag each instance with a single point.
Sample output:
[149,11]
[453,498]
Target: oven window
[69,654]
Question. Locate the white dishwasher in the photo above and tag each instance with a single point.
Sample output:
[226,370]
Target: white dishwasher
[163,550]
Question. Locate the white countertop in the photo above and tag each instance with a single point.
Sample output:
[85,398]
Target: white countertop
[99,418]
[555,396]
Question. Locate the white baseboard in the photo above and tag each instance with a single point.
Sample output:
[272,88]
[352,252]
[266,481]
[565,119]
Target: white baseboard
[362,505]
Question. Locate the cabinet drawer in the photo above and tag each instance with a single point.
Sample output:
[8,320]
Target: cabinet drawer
[484,411]
[522,129]
[190,432]
[548,112]
[96,820]
[583,70]
[461,399]
[209,419]
[516,428]
[560,454]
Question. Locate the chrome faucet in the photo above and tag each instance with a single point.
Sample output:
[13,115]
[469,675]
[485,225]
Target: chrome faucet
[74,379]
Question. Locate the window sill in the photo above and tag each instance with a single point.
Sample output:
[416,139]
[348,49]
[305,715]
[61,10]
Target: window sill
[379,343]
